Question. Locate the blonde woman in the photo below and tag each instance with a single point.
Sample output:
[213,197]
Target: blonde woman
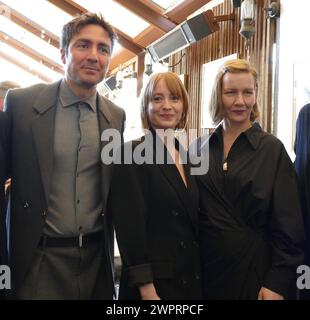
[250,220]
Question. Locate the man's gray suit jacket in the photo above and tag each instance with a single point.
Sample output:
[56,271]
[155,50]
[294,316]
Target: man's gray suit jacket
[31,117]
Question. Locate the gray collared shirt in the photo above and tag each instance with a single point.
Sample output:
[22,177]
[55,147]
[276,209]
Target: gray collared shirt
[75,201]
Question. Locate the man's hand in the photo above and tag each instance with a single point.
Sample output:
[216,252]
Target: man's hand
[266,294]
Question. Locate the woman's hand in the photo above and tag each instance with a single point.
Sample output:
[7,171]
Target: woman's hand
[148,292]
[266,294]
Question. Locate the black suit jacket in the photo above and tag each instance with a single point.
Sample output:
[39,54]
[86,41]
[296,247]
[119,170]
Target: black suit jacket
[156,223]
[31,116]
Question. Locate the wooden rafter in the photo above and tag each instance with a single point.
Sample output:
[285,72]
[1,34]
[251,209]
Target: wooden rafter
[74,9]
[155,7]
[186,8]
[24,67]
[31,53]
[145,12]
[71,7]
[126,42]
[31,26]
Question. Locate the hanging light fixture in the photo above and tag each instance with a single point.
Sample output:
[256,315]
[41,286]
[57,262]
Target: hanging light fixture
[247,18]
[119,79]
[148,64]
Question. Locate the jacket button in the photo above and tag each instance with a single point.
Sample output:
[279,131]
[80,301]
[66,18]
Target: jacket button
[43,214]
[197,276]
[195,243]
[184,282]
[175,213]
[102,214]
[182,244]
[26,205]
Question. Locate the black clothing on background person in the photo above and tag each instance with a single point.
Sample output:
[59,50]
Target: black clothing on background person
[302,165]
[156,223]
[2,181]
[250,220]
[3,164]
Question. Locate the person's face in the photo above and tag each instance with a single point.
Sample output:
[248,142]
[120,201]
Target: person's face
[238,97]
[88,56]
[165,109]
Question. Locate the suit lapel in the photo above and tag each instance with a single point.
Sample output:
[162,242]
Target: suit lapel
[185,194]
[43,127]
[193,198]
[105,122]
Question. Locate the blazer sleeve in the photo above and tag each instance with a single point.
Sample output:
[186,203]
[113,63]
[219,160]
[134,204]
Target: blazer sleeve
[128,205]
[286,228]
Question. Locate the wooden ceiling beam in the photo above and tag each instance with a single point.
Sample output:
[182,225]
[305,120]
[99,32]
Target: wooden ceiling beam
[145,12]
[25,67]
[127,42]
[70,7]
[185,9]
[155,7]
[31,53]
[31,26]
[74,9]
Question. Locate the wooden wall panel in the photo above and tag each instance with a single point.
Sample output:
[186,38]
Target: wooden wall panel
[226,42]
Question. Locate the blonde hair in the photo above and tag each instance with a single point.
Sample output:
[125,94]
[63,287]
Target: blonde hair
[216,104]
[175,86]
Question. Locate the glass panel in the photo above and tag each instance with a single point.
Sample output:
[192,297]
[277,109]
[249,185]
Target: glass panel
[18,33]
[117,15]
[42,12]
[10,72]
[17,74]
[167,4]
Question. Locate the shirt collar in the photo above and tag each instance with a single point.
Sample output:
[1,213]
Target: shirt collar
[68,98]
[253,134]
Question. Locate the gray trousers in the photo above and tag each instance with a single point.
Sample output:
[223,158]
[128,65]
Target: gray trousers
[67,274]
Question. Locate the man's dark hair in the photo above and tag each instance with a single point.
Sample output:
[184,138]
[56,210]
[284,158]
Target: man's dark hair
[74,26]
